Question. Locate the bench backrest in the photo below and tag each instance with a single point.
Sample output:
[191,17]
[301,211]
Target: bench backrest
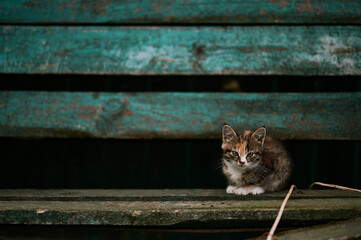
[239,38]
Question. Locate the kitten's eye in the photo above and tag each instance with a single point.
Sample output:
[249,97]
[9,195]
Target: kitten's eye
[250,154]
[235,153]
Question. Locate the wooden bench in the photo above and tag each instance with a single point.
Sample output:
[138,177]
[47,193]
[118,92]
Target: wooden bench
[289,39]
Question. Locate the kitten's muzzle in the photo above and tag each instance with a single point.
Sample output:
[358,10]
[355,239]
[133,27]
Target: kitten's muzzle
[240,163]
[242,160]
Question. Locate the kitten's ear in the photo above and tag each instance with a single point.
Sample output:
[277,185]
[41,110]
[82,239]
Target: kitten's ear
[228,133]
[259,135]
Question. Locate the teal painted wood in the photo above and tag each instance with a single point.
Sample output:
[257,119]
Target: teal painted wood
[178,115]
[179,11]
[276,50]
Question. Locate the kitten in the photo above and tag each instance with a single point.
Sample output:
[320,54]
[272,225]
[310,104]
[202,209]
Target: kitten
[253,163]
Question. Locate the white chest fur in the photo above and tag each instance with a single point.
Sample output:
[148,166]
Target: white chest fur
[234,172]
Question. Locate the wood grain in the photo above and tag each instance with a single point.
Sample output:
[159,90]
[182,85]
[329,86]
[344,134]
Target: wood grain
[243,213]
[247,50]
[178,115]
[180,12]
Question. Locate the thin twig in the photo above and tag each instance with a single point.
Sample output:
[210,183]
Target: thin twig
[273,229]
[334,186]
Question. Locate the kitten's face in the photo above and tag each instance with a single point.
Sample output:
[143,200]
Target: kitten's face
[243,149]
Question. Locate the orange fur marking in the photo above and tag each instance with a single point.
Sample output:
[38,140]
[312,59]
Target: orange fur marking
[241,147]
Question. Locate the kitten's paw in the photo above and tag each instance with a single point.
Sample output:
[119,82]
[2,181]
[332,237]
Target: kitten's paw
[242,191]
[231,189]
[257,190]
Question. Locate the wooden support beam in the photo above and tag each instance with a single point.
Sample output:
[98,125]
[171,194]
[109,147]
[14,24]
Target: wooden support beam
[178,115]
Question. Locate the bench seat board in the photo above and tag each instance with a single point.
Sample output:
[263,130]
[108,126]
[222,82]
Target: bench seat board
[178,115]
[202,50]
[302,209]
[178,11]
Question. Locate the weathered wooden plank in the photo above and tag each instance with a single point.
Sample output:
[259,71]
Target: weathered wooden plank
[178,212]
[258,50]
[350,229]
[178,11]
[178,115]
[158,195]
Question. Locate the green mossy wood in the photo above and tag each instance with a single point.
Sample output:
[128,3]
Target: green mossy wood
[179,11]
[246,50]
[175,207]
[178,115]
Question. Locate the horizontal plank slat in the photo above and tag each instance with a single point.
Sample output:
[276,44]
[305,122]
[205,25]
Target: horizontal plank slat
[178,115]
[350,229]
[247,50]
[158,195]
[178,11]
[238,210]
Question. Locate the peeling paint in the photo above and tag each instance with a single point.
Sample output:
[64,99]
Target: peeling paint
[281,3]
[263,11]
[156,6]
[66,4]
[306,7]
[326,53]
[96,7]
[61,53]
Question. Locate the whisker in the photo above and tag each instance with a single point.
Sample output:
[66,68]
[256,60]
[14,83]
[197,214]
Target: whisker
[219,165]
